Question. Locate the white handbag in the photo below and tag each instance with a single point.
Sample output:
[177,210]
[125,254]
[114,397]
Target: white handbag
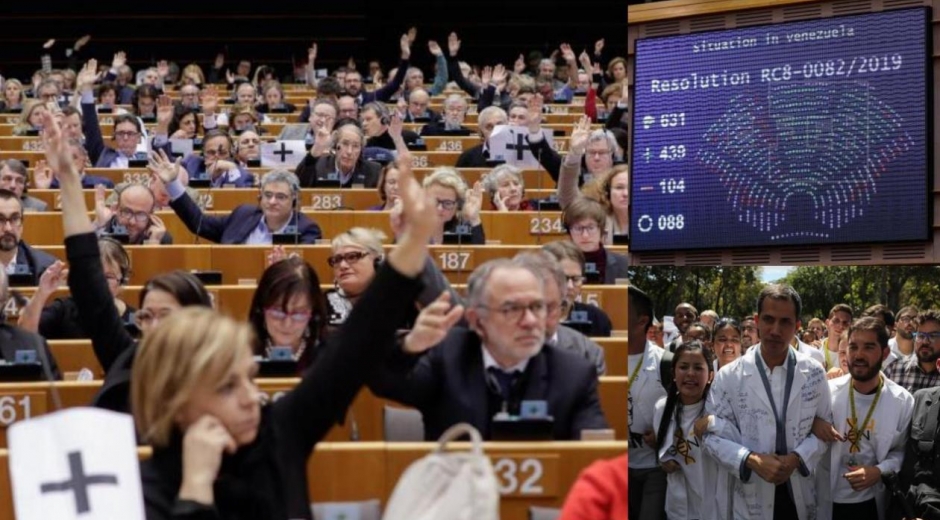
[447,486]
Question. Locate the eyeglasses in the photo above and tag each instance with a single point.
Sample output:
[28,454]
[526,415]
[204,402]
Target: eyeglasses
[929,337]
[576,279]
[515,311]
[211,154]
[296,317]
[126,135]
[597,153]
[15,220]
[139,216]
[902,319]
[589,229]
[351,258]
[280,197]
[13,179]
[447,204]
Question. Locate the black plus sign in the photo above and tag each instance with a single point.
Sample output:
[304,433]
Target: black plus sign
[283,152]
[519,146]
[78,483]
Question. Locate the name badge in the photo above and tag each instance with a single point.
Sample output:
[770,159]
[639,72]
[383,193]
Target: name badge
[281,354]
[533,409]
[24,357]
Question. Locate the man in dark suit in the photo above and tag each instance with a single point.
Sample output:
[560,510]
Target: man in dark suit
[277,211]
[500,361]
[451,124]
[343,166]
[16,257]
[14,339]
[477,156]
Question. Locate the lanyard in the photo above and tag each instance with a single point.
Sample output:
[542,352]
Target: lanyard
[780,419]
[825,346]
[636,371]
[855,431]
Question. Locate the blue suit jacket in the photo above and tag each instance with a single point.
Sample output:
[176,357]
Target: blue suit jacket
[447,384]
[196,165]
[88,182]
[235,227]
[35,260]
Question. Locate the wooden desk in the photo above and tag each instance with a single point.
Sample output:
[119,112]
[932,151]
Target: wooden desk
[528,473]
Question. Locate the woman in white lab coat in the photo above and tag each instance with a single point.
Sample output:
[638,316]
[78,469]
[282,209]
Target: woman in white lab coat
[691,473]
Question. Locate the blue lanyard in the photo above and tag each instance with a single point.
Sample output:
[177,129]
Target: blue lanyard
[780,419]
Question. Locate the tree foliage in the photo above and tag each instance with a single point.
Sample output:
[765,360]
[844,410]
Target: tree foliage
[729,291]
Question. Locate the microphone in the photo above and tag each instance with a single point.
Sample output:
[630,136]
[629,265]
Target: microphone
[890,480]
[353,427]
[47,371]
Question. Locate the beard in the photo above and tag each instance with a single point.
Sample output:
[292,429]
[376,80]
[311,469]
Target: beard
[8,242]
[931,357]
[905,334]
[865,373]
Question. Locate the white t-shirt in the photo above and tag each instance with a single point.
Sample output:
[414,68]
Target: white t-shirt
[843,492]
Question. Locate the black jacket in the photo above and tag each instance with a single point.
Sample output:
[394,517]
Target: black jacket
[34,260]
[312,171]
[920,471]
[14,338]
[448,385]
[268,478]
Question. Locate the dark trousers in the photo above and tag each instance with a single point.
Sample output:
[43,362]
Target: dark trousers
[867,510]
[647,494]
[784,508]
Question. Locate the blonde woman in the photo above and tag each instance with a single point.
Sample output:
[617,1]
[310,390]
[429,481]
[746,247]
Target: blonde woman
[356,256]
[30,122]
[217,452]
[458,208]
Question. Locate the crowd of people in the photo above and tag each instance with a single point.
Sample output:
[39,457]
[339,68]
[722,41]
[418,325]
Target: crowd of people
[186,372]
[850,398]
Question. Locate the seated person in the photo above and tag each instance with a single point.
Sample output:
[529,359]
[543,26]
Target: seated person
[506,189]
[44,178]
[376,119]
[478,156]
[133,217]
[247,147]
[417,110]
[455,111]
[354,259]
[60,320]
[474,373]
[322,117]
[592,318]
[216,162]
[273,95]
[244,117]
[388,187]
[14,339]
[344,165]
[128,133]
[14,177]
[599,154]
[586,220]
[185,125]
[16,256]
[275,212]
[30,122]
[451,194]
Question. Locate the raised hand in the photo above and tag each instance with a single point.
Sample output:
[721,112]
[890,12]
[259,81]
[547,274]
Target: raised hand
[395,218]
[42,175]
[486,75]
[418,214]
[164,112]
[534,114]
[405,45]
[229,77]
[579,136]
[209,98]
[473,204]
[103,213]
[275,255]
[499,75]
[81,42]
[395,126]
[453,44]
[598,47]
[312,54]
[566,53]
[58,151]
[519,66]
[585,60]
[88,75]
[120,58]
[412,34]
[432,324]
[53,277]
[435,48]
[161,166]
[351,63]
[157,230]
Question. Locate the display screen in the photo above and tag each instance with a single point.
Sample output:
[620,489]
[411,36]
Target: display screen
[810,132]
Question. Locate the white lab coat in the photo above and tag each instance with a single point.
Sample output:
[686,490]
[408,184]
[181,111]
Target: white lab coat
[892,418]
[745,423]
[695,484]
[813,352]
[645,391]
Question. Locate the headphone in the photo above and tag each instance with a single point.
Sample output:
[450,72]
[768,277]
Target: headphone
[286,177]
[123,259]
[377,263]
[335,135]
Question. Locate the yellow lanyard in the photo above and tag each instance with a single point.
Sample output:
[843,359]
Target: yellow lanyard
[826,350]
[855,431]
[636,371]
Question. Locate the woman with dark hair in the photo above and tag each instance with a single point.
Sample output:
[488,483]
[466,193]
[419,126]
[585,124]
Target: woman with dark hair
[690,473]
[185,125]
[144,102]
[161,296]
[288,310]
[388,187]
[727,341]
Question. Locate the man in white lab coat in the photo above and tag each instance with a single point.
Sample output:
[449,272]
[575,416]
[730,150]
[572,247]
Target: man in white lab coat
[764,405]
[871,415]
[647,500]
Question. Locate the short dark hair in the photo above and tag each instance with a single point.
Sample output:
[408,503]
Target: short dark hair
[127,118]
[841,307]
[928,315]
[779,291]
[9,195]
[640,304]
[881,312]
[183,286]
[329,87]
[873,324]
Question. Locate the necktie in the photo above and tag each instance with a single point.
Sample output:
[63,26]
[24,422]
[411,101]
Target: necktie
[505,380]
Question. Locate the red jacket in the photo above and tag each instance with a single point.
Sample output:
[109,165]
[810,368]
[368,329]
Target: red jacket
[600,493]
